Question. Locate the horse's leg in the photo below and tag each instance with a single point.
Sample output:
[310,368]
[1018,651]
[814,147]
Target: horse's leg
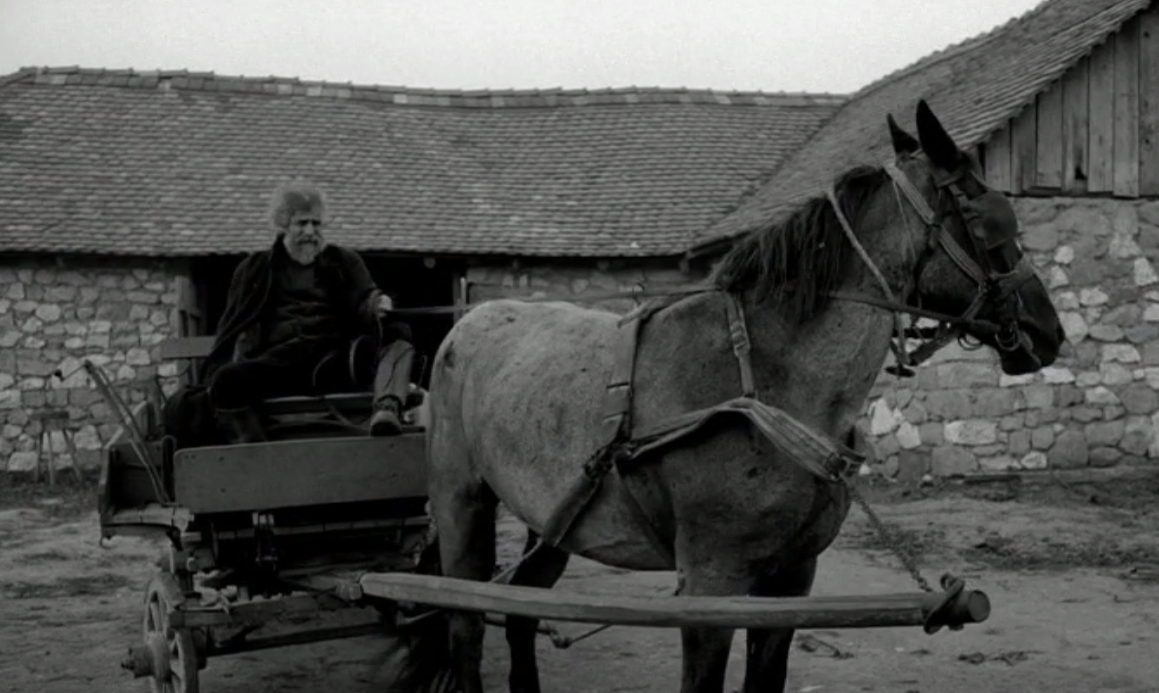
[541,569]
[706,649]
[767,662]
[466,525]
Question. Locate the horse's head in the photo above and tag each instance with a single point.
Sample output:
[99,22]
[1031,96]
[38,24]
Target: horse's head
[969,261]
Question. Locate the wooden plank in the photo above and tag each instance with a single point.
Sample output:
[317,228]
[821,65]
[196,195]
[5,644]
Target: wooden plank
[1101,119]
[186,348]
[1023,143]
[1126,168]
[862,611]
[296,473]
[1049,138]
[1075,136]
[998,160]
[1149,101]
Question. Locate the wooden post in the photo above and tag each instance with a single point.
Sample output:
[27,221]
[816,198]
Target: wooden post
[998,160]
[1075,108]
[1101,146]
[1126,168]
[1149,102]
[1049,138]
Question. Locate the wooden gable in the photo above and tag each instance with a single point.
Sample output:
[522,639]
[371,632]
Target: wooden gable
[1095,131]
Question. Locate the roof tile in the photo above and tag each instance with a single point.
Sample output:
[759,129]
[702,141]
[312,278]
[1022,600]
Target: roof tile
[186,165]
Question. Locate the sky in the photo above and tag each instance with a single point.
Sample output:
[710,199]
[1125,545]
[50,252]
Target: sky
[834,46]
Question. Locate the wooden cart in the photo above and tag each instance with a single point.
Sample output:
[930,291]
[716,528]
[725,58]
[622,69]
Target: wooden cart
[324,520]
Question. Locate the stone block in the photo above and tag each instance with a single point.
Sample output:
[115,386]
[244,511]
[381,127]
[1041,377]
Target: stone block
[1010,423]
[1070,450]
[1074,325]
[1144,273]
[1067,300]
[1039,396]
[1120,353]
[1019,442]
[1093,297]
[915,412]
[1105,433]
[1113,374]
[908,436]
[1040,237]
[965,375]
[948,404]
[1141,333]
[948,460]
[1034,460]
[1085,414]
[932,433]
[1088,379]
[1137,435]
[993,403]
[1042,438]
[1139,398]
[971,432]
[1105,333]
[1101,395]
[1105,456]
[1057,376]
[11,399]
[998,463]
[22,462]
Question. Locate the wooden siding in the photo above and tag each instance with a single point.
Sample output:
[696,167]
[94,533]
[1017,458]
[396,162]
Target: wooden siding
[1095,131]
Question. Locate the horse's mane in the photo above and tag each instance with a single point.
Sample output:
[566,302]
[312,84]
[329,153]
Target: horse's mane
[794,263]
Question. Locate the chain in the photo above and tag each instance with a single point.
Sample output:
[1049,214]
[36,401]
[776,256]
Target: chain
[891,542]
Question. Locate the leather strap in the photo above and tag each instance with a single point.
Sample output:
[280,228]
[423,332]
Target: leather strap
[741,346]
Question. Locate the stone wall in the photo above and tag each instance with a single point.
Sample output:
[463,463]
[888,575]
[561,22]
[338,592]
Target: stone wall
[55,312]
[1097,406]
[581,282]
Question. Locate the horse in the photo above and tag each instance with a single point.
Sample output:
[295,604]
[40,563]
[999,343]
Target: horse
[517,387]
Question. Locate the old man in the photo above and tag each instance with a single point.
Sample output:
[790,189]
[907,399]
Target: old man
[294,306]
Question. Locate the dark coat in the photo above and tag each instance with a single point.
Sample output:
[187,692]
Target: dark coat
[188,416]
[343,275]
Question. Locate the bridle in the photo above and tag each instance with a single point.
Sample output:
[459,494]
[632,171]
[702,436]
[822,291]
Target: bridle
[996,291]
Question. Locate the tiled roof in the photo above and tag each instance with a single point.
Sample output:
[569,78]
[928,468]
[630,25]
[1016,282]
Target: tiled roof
[973,87]
[177,163]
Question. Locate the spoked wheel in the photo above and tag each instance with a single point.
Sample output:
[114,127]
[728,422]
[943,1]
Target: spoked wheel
[171,652]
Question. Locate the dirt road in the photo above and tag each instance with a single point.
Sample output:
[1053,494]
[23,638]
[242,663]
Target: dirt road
[1073,575]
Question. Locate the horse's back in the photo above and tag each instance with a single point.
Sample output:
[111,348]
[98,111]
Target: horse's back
[517,393]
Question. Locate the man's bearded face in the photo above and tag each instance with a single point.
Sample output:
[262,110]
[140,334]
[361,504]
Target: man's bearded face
[303,239]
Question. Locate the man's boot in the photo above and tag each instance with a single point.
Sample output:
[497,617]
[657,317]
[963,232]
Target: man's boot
[391,385]
[245,424]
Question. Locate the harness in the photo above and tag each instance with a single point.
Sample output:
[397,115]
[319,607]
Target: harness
[827,459]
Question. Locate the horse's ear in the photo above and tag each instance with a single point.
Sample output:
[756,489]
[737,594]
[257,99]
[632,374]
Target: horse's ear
[904,143]
[936,142]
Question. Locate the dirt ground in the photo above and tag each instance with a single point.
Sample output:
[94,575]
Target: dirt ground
[1072,572]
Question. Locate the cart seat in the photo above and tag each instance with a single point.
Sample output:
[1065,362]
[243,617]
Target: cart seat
[333,413]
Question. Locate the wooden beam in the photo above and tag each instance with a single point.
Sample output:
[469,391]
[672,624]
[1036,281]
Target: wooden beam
[1149,101]
[1101,120]
[1024,144]
[295,473]
[1126,170]
[179,348]
[1049,138]
[861,611]
[1075,135]
[998,160]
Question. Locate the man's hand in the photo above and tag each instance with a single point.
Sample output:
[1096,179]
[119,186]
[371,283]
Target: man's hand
[385,305]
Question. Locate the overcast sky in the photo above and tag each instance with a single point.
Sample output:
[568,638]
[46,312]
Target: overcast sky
[771,45]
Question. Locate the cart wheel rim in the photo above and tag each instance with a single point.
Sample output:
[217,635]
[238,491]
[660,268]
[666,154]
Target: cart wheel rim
[173,651]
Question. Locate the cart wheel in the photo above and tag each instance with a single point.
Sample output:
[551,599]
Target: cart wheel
[172,652]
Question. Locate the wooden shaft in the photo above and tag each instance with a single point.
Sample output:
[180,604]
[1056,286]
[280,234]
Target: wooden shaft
[867,611]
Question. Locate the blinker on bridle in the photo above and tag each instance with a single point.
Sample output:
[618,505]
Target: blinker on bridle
[996,290]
